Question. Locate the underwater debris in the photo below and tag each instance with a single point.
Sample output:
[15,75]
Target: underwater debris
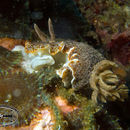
[107,83]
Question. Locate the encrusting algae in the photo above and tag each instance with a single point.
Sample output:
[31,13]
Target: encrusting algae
[39,85]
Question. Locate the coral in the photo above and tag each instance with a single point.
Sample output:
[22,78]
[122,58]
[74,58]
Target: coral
[119,47]
[107,82]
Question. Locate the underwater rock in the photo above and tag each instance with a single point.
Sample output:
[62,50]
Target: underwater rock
[119,47]
[107,16]
[44,65]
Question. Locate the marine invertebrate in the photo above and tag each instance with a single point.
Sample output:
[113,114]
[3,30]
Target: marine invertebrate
[107,82]
[73,61]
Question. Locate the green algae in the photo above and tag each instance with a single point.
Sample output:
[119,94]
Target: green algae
[48,100]
[8,59]
[84,115]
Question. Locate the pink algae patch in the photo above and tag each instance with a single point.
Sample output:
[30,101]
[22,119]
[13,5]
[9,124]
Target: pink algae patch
[64,106]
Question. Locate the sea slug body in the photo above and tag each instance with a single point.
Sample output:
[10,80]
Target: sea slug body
[74,62]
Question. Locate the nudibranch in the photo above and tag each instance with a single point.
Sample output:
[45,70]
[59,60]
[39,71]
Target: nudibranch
[73,61]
